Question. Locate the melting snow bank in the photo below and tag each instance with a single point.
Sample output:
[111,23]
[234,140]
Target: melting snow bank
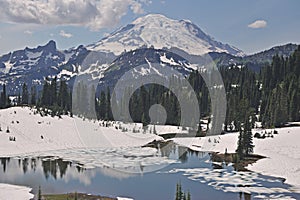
[123,198]
[123,159]
[15,192]
[115,147]
[22,131]
[232,181]
[282,152]
[89,143]
[283,156]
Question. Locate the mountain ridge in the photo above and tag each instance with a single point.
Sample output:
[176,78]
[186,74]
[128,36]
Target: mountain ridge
[34,65]
[66,64]
[159,31]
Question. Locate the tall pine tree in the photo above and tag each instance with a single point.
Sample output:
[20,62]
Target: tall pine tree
[25,94]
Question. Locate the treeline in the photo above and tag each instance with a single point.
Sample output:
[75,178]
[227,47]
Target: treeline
[4,100]
[243,96]
[180,194]
[245,140]
[144,97]
[103,105]
[139,104]
[281,90]
[148,95]
[271,96]
[54,98]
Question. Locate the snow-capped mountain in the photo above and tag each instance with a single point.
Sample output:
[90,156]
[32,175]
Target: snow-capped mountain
[144,61]
[161,32]
[149,40]
[32,65]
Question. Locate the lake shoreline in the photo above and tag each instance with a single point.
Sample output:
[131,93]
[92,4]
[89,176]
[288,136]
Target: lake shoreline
[240,165]
[72,196]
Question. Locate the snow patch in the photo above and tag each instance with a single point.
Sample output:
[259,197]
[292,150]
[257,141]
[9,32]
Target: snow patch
[170,61]
[282,152]
[33,55]
[159,31]
[124,198]
[15,192]
[232,181]
[8,66]
[58,133]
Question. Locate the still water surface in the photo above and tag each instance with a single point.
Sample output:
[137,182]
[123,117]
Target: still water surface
[197,174]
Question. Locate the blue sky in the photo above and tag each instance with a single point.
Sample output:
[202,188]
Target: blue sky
[31,23]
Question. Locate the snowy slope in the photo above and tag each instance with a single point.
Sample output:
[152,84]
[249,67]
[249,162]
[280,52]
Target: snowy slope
[282,152]
[34,133]
[88,142]
[123,198]
[15,192]
[283,156]
[161,32]
[33,65]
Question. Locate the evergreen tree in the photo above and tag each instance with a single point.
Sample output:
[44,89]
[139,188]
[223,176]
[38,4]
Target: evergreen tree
[188,196]
[83,103]
[3,97]
[179,192]
[116,106]
[63,96]
[45,101]
[293,107]
[245,140]
[240,148]
[57,99]
[200,133]
[33,95]
[19,99]
[280,91]
[103,106]
[76,196]
[91,102]
[25,94]
[248,138]
[40,193]
[108,105]
[53,92]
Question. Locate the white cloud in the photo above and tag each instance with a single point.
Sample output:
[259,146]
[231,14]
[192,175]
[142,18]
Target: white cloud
[106,34]
[137,8]
[258,24]
[146,2]
[28,32]
[64,34]
[95,14]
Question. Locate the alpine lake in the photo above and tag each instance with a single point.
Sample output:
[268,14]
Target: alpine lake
[140,174]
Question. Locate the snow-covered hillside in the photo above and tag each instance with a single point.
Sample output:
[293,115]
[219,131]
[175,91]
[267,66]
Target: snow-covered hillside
[33,65]
[34,133]
[15,192]
[93,144]
[282,152]
[161,32]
